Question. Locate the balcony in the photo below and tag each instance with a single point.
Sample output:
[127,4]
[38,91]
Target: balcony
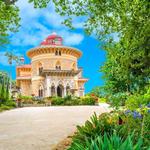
[58,72]
[25,77]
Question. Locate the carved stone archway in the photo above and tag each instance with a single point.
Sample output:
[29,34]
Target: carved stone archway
[60,90]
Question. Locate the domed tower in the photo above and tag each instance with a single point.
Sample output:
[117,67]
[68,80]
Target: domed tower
[54,69]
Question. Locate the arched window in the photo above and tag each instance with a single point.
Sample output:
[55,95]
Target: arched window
[41,91]
[59,53]
[58,66]
[56,53]
[53,90]
[40,68]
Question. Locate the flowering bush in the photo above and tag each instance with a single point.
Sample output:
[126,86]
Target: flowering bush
[122,122]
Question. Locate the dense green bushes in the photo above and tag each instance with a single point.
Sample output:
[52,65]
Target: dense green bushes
[68,100]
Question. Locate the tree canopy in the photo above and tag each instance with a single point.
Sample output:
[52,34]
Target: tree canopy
[9,20]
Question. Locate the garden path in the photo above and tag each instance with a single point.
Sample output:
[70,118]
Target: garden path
[41,128]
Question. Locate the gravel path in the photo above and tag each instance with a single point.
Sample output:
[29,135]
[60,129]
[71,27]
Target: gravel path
[40,128]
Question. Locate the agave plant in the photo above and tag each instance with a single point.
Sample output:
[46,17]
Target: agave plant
[108,142]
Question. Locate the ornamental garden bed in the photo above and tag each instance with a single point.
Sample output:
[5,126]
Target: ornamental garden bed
[26,101]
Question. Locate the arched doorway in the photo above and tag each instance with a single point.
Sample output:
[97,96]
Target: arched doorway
[60,91]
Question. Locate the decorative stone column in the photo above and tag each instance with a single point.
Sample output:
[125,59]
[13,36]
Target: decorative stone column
[47,81]
[64,91]
[50,94]
[55,90]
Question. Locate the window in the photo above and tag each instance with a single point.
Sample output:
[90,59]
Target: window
[74,66]
[58,53]
[58,66]
[39,68]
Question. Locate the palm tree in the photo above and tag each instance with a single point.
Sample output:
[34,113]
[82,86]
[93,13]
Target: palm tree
[11,58]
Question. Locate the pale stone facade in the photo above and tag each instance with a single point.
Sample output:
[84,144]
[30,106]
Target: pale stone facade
[53,70]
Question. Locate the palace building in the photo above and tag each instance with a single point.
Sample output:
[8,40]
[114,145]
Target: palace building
[53,70]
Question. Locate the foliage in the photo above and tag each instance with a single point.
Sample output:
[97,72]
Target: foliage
[10,103]
[41,102]
[57,101]
[108,142]
[102,100]
[26,99]
[118,99]
[138,100]
[4,107]
[97,91]
[9,20]
[87,100]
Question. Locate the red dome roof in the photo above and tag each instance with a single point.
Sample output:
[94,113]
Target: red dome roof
[52,39]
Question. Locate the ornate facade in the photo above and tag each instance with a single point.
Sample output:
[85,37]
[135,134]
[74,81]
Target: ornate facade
[53,70]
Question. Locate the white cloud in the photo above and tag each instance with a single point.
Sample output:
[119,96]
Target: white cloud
[37,24]
[71,38]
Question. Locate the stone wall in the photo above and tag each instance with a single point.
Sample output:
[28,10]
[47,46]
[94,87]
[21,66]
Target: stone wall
[36,83]
[25,87]
[49,61]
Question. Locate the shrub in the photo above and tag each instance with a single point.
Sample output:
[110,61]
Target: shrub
[10,103]
[57,101]
[68,100]
[74,102]
[102,100]
[118,99]
[96,126]
[87,100]
[41,102]
[26,99]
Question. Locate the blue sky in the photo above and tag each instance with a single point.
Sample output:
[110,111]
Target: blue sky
[37,24]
